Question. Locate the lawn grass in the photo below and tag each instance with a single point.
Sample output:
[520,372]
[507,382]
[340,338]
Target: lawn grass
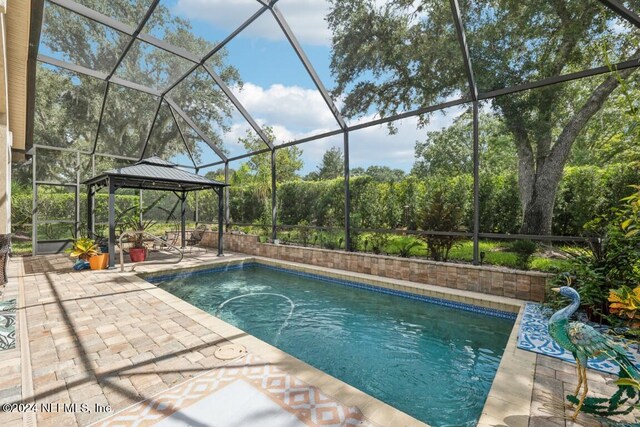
[496,253]
[21,247]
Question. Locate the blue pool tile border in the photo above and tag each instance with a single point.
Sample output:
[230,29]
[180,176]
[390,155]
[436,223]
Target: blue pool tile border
[438,301]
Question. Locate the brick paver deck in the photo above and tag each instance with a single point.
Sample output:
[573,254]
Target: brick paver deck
[554,380]
[99,339]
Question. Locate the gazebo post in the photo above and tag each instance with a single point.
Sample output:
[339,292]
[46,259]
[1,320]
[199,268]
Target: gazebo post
[112,223]
[90,210]
[183,219]
[220,192]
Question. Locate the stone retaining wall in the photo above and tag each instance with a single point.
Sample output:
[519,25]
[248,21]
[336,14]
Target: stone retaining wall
[525,285]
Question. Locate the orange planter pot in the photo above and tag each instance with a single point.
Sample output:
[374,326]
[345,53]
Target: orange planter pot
[99,262]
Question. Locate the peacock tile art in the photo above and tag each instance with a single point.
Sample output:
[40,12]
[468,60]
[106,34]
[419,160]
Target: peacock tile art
[534,336]
[7,324]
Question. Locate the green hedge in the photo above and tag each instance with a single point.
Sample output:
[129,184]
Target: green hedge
[584,192]
[61,206]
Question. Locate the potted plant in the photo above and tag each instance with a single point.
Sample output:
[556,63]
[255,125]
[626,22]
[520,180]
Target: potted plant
[100,261]
[138,251]
[83,249]
[102,242]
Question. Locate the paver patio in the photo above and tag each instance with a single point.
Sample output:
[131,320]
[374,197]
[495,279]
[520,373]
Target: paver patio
[101,339]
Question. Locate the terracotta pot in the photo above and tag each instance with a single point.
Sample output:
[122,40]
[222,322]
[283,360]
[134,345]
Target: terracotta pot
[138,254]
[99,262]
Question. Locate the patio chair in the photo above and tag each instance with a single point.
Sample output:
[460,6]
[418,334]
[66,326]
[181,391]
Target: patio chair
[169,239]
[196,236]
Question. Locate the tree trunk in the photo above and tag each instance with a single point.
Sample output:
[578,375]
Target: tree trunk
[537,213]
[538,189]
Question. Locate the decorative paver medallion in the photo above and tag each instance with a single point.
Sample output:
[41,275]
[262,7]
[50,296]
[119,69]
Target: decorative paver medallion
[284,395]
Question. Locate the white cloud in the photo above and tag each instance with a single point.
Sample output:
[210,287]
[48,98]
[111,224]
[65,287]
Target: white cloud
[374,145]
[300,111]
[223,14]
[307,20]
[231,138]
[295,113]
[305,17]
[313,151]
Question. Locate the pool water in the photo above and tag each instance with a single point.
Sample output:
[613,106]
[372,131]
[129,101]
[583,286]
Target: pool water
[433,362]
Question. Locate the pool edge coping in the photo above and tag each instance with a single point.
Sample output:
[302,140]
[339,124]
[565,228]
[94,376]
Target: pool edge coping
[510,392]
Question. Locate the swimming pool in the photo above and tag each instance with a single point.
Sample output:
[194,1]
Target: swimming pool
[431,361]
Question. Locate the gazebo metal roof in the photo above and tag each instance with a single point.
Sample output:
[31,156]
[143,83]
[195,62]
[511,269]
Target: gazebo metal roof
[153,173]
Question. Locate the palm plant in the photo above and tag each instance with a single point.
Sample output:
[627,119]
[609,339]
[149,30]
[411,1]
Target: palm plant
[405,246]
[137,226]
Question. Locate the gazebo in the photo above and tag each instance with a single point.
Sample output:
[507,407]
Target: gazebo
[151,173]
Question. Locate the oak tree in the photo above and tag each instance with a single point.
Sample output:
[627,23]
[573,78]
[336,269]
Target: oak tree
[400,55]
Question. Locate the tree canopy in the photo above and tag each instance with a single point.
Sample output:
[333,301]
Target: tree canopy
[68,105]
[288,159]
[387,57]
[379,173]
[383,61]
[449,151]
[332,165]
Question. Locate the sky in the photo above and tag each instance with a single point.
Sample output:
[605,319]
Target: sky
[278,91]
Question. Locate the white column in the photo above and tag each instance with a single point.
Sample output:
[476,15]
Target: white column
[5,133]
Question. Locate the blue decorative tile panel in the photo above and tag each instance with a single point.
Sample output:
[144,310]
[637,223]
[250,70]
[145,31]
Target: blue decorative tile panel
[534,336]
[8,306]
[7,324]
[432,300]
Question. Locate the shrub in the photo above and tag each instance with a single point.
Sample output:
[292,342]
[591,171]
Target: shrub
[631,216]
[588,191]
[444,208]
[500,210]
[524,250]
[611,261]
[576,199]
[333,240]
[304,233]
[625,303]
[583,192]
[378,242]
[405,246]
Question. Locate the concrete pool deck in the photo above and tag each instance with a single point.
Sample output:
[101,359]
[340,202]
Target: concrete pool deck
[110,338]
